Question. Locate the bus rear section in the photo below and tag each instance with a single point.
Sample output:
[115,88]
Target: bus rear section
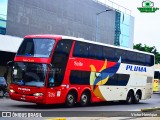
[156,87]
[61,69]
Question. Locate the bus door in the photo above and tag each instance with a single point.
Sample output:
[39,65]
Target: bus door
[56,76]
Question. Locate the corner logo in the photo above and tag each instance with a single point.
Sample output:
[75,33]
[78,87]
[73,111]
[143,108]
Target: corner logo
[147,7]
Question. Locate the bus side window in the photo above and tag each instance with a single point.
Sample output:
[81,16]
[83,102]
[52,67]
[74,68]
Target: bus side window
[120,53]
[95,52]
[80,49]
[61,53]
[80,77]
[108,53]
[112,80]
[148,60]
[60,59]
[141,59]
[131,57]
[152,60]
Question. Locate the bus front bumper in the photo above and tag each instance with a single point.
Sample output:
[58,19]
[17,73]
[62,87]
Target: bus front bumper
[27,98]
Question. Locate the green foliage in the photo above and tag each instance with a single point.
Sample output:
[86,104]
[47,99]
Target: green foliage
[149,49]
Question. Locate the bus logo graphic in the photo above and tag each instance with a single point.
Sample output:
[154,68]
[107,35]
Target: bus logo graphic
[136,68]
[97,79]
[6,114]
[147,7]
[78,63]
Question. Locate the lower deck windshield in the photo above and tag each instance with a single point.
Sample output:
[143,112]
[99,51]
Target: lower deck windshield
[29,74]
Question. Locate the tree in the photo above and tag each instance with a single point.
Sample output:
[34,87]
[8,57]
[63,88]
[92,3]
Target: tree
[149,49]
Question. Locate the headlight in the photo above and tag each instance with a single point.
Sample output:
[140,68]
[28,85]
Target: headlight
[38,94]
[12,91]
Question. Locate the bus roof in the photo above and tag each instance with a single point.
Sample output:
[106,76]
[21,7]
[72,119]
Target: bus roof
[83,40]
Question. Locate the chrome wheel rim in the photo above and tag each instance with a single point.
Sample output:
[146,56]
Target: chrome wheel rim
[70,99]
[84,98]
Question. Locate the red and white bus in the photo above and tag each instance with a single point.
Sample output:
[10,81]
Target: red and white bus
[54,69]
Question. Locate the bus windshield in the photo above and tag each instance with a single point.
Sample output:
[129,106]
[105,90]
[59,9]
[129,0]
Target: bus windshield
[29,74]
[36,47]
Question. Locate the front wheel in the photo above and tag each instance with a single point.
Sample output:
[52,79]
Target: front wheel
[70,99]
[129,99]
[85,99]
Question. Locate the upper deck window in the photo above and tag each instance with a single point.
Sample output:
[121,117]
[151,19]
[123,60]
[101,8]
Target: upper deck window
[36,47]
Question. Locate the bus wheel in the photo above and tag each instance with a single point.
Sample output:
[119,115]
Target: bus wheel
[85,99]
[136,98]
[70,99]
[130,97]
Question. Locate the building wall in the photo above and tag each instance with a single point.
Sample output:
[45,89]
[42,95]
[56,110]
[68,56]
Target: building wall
[68,17]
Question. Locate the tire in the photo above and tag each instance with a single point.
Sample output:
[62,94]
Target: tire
[70,99]
[136,98]
[85,99]
[130,97]
[1,93]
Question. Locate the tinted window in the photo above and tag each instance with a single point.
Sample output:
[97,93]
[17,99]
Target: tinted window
[60,59]
[123,79]
[108,53]
[80,77]
[118,79]
[36,47]
[61,53]
[63,47]
[95,51]
[152,60]
[141,58]
[120,53]
[149,60]
[131,57]
[80,49]
[112,80]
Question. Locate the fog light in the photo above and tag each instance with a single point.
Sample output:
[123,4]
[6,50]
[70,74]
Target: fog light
[38,94]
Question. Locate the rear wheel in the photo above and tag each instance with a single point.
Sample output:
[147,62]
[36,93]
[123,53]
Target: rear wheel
[85,99]
[130,97]
[136,98]
[70,99]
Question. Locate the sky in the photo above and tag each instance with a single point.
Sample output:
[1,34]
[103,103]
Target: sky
[147,25]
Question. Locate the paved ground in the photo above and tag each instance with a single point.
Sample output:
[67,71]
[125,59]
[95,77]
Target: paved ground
[8,104]
[98,109]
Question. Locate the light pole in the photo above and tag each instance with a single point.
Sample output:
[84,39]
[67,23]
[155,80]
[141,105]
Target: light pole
[97,14]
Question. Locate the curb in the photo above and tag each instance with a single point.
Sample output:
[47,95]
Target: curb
[150,109]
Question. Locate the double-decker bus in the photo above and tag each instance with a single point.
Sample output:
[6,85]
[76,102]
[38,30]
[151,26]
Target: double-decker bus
[54,69]
[156,86]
